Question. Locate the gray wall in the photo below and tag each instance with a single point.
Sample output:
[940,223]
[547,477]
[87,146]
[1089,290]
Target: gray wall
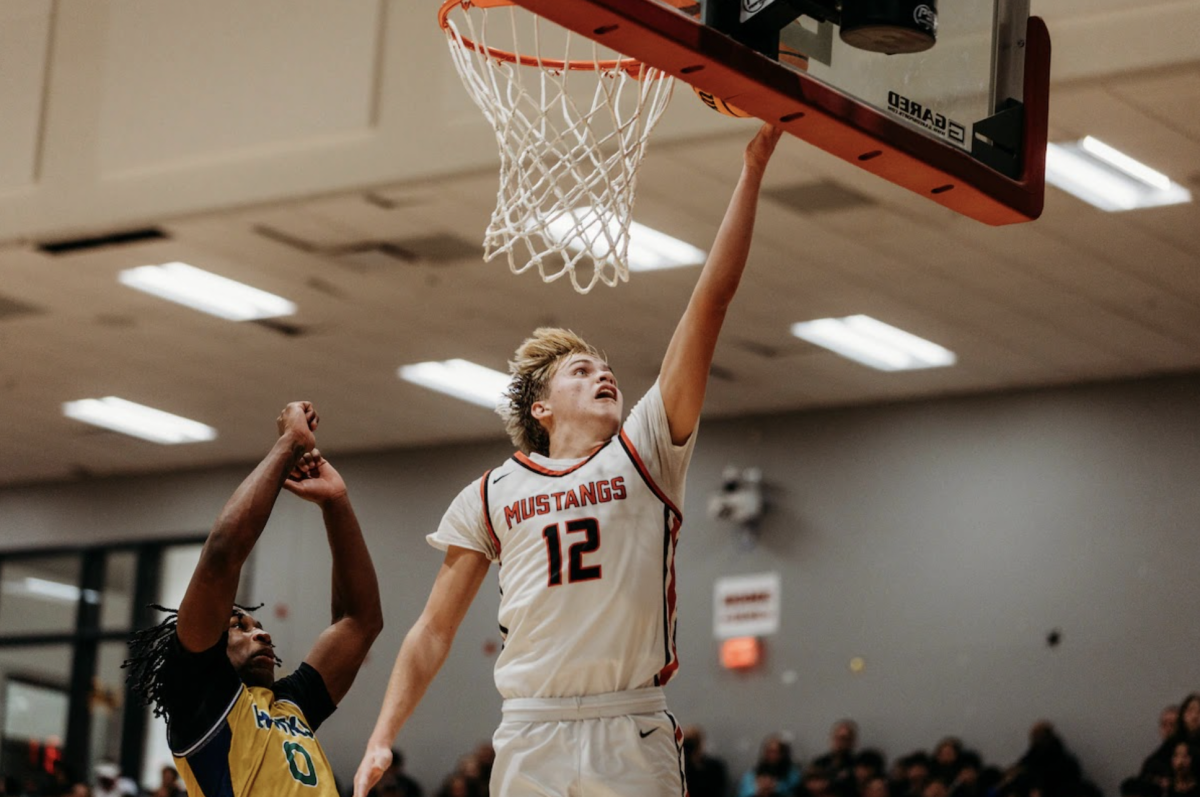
[941,541]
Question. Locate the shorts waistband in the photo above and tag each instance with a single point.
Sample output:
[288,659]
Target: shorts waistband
[610,704]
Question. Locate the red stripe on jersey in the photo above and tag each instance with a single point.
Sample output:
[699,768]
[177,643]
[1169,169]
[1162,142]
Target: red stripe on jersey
[666,673]
[487,513]
[641,466]
[525,461]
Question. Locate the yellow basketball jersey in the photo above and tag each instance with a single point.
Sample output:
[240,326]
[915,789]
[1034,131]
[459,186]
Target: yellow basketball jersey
[264,746]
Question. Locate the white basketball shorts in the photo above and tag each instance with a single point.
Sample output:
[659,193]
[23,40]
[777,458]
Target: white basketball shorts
[621,744]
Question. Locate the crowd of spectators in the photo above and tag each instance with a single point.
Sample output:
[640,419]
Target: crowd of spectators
[1047,769]
[948,769]
[1173,768]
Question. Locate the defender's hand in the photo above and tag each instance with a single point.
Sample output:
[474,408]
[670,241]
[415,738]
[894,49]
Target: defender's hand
[375,762]
[314,479]
[299,419]
[759,150]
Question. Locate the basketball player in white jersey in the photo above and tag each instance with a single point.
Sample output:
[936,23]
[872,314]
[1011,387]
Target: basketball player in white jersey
[583,521]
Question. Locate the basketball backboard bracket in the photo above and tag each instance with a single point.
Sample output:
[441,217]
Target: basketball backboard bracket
[758,23]
[933,159]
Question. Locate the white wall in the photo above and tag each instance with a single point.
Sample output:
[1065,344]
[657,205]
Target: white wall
[940,541]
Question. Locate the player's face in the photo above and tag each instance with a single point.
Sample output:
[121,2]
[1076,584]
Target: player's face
[250,651]
[584,391]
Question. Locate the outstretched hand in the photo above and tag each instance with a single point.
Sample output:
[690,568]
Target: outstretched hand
[375,762]
[299,419]
[314,479]
[759,150]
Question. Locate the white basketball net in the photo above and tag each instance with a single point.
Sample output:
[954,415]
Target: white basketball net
[571,142]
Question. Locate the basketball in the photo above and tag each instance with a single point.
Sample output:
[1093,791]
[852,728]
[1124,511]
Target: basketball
[719,105]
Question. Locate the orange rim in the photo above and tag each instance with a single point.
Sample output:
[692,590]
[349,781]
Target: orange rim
[631,66]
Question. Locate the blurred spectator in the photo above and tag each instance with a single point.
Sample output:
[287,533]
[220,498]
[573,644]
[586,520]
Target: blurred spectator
[775,762]
[395,782]
[868,765]
[111,783]
[169,784]
[839,761]
[1168,723]
[1047,766]
[945,763]
[471,768]
[1136,787]
[456,785]
[1188,729]
[765,783]
[968,783]
[876,787]
[915,768]
[1185,777]
[816,782]
[706,776]
[485,755]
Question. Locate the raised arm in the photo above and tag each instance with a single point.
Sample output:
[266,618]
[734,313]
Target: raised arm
[421,656]
[684,375]
[204,613]
[357,617]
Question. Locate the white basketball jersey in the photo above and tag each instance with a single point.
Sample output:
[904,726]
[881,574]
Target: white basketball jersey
[586,550]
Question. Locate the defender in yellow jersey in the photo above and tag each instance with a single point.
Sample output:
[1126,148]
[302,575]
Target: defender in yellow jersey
[210,667]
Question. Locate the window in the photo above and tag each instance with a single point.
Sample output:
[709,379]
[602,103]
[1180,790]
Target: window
[65,618]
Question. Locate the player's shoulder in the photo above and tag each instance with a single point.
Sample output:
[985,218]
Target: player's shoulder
[472,491]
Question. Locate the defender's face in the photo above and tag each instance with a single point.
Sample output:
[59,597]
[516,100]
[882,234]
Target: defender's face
[583,391]
[250,651]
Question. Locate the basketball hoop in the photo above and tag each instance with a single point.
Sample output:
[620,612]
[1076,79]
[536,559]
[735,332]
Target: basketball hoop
[572,131]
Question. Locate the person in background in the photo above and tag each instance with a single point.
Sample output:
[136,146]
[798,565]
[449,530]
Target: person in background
[1185,771]
[839,761]
[169,784]
[707,776]
[945,763]
[968,783]
[111,783]
[395,782]
[1175,724]
[774,762]
[868,764]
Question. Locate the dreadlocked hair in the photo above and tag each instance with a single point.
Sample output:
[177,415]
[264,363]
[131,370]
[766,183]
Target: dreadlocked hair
[148,653]
[533,365]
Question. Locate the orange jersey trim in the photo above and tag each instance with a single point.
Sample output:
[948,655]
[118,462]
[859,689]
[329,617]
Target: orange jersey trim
[645,473]
[525,462]
[487,512]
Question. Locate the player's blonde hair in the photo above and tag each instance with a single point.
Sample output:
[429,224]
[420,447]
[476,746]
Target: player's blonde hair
[532,367]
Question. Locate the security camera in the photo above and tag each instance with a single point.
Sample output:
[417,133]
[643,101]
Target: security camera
[740,499]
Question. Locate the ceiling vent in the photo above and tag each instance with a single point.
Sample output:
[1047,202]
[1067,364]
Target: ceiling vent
[95,242]
[437,249]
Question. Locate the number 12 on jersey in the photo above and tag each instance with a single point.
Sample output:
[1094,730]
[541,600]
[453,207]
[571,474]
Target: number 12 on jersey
[576,570]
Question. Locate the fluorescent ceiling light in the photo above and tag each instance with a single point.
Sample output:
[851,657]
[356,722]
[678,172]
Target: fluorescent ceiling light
[137,420]
[649,249]
[1109,179]
[54,590]
[210,293]
[874,343]
[459,378]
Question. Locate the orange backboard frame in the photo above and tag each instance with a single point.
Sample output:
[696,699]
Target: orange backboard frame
[814,112]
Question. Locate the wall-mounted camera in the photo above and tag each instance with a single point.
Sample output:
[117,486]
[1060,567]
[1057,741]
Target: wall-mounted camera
[740,499]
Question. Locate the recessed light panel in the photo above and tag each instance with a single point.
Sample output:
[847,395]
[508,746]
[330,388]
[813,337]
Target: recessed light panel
[874,343]
[1108,178]
[210,293]
[461,379]
[137,420]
